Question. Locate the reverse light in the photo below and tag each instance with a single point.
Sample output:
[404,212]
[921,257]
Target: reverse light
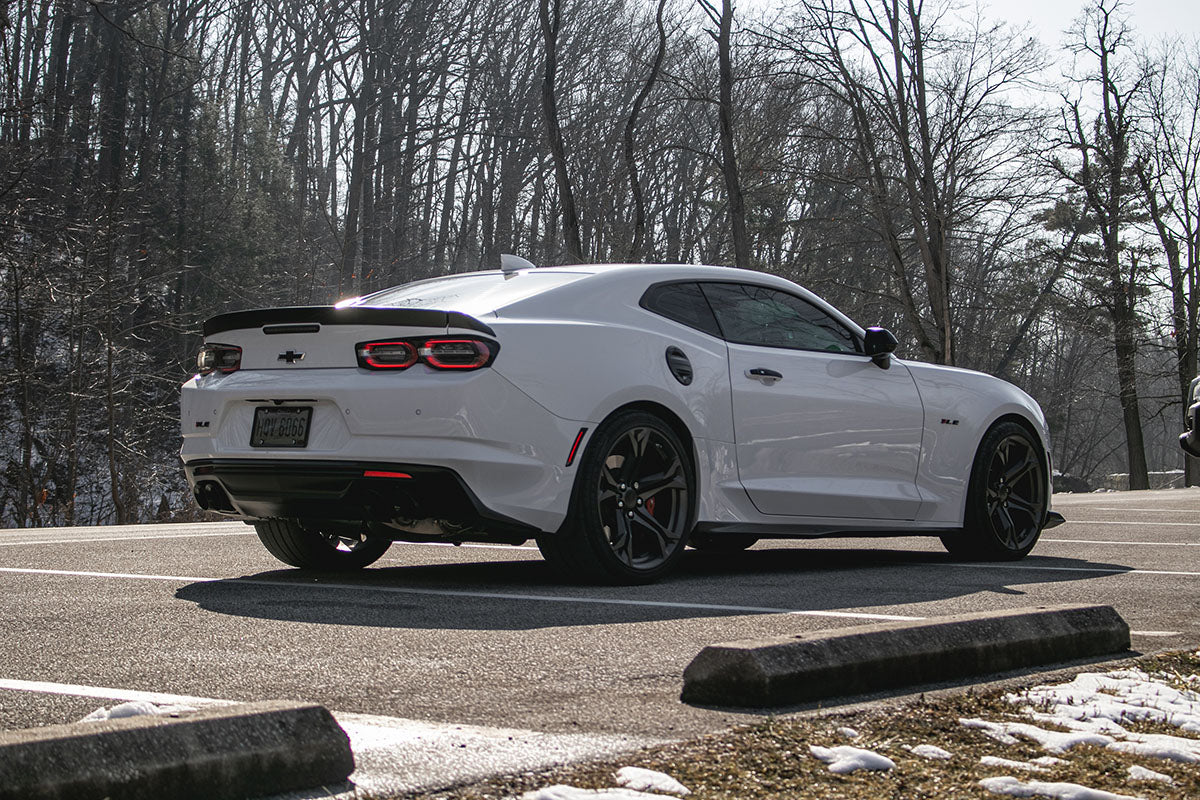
[386,355]
[224,358]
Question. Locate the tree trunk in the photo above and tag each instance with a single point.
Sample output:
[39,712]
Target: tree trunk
[729,164]
[551,21]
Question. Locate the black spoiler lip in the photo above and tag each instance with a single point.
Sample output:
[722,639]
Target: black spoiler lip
[351,315]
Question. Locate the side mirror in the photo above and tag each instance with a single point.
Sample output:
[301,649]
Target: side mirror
[879,344]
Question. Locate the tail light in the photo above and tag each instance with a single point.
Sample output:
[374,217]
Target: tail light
[218,358]
[459,353]
[455,353]
[386,355]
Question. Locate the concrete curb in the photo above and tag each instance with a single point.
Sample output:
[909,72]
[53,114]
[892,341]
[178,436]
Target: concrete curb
[867,658]
[234,751]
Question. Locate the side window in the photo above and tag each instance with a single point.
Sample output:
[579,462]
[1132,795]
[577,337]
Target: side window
[757,315]
[682,302]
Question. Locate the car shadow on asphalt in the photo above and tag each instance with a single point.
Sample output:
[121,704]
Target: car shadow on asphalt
[527,595]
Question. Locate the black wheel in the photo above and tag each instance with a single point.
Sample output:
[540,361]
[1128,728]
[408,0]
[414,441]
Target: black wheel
[1007,498]
[632,508]
[329,547]
[721,543]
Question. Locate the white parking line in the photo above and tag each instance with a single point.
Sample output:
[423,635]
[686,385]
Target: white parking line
[1101,570]
[122,538]
[100,692]
[1163,510]
[360,587]
[1123,544]
[1138,523]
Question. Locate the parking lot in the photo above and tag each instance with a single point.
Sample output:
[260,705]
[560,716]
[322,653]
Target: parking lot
[487,637]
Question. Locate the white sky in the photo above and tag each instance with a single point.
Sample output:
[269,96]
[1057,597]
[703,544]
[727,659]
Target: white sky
[1150,19]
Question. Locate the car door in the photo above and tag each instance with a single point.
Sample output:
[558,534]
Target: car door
[821,430]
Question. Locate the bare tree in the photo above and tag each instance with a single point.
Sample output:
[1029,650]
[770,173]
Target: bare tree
[1103,177]
[723,36]
[550,15]
[635,187]
[938,137]
[1168,170]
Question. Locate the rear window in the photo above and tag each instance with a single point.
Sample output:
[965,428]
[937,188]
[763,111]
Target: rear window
[470,294]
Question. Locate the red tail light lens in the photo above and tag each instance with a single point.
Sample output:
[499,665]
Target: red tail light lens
[386,355]
[455,353]
[218,358]
[442,353]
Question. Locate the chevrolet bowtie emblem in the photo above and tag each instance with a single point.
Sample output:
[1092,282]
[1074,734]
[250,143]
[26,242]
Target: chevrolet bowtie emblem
[291,356]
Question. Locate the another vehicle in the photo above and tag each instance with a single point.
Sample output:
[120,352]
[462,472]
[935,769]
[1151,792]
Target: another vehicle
[1189,440]
[614,413]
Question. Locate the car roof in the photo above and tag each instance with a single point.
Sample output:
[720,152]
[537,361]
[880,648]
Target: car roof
[490,297]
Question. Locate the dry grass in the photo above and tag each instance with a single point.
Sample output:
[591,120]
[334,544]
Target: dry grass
[771,759]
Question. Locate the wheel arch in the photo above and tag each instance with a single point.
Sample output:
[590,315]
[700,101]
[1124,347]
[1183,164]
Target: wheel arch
[672,420]
[668,416]
[1035,434]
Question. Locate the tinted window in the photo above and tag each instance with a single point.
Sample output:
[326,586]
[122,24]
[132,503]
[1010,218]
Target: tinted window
[684,303]
[760,316]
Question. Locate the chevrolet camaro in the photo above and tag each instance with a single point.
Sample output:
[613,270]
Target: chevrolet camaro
[615,414]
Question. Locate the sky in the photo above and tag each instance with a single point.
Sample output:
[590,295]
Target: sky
[1151,19]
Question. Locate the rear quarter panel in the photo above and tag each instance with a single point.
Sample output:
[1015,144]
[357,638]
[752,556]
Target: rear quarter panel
[584,358]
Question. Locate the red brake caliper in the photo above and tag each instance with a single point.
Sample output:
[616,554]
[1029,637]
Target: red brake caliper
[650,506]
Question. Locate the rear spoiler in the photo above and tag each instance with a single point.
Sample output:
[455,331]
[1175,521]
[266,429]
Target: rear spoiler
[356,315]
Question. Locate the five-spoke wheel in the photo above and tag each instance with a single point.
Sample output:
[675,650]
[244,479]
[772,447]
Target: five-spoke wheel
[1007,498]
[633,505]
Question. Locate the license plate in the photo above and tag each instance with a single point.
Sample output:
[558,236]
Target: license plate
[281,426]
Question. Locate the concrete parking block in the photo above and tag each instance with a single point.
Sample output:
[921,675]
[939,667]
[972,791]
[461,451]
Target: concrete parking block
[868,658]
[234,751]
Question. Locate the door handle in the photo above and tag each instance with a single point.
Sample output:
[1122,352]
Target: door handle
[767,376]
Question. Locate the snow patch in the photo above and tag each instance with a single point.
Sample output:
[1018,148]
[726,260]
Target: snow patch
[1058,791]
[1165,748]
[1053,741]
[136,708]
[1121,697]
[930,751]
[1004,763]
[847,733]
[843,759]
[647,780]
[1137,773]
[561,792]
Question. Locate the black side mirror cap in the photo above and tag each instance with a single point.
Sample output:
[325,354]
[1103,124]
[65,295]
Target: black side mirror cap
[879,344]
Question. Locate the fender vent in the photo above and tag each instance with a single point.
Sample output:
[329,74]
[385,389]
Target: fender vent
[679,365]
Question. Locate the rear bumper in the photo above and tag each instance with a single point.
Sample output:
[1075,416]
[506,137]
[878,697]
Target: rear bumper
[252,489]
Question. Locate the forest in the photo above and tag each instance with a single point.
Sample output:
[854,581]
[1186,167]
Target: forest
[1023,207]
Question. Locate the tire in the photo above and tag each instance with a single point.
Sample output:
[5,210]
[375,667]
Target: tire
[1007,497]
[632,508]
[721,543]
[319,546]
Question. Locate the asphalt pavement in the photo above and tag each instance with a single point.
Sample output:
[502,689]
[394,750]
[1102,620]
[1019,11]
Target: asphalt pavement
[482,651]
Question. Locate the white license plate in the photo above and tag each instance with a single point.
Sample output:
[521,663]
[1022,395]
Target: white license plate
[281,426]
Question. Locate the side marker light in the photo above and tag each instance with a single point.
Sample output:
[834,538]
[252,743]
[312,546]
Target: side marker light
[575,447]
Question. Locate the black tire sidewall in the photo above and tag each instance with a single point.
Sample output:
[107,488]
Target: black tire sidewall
[302,545]
[979,538]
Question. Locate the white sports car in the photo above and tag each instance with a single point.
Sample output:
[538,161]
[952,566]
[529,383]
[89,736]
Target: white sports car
[615,413]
